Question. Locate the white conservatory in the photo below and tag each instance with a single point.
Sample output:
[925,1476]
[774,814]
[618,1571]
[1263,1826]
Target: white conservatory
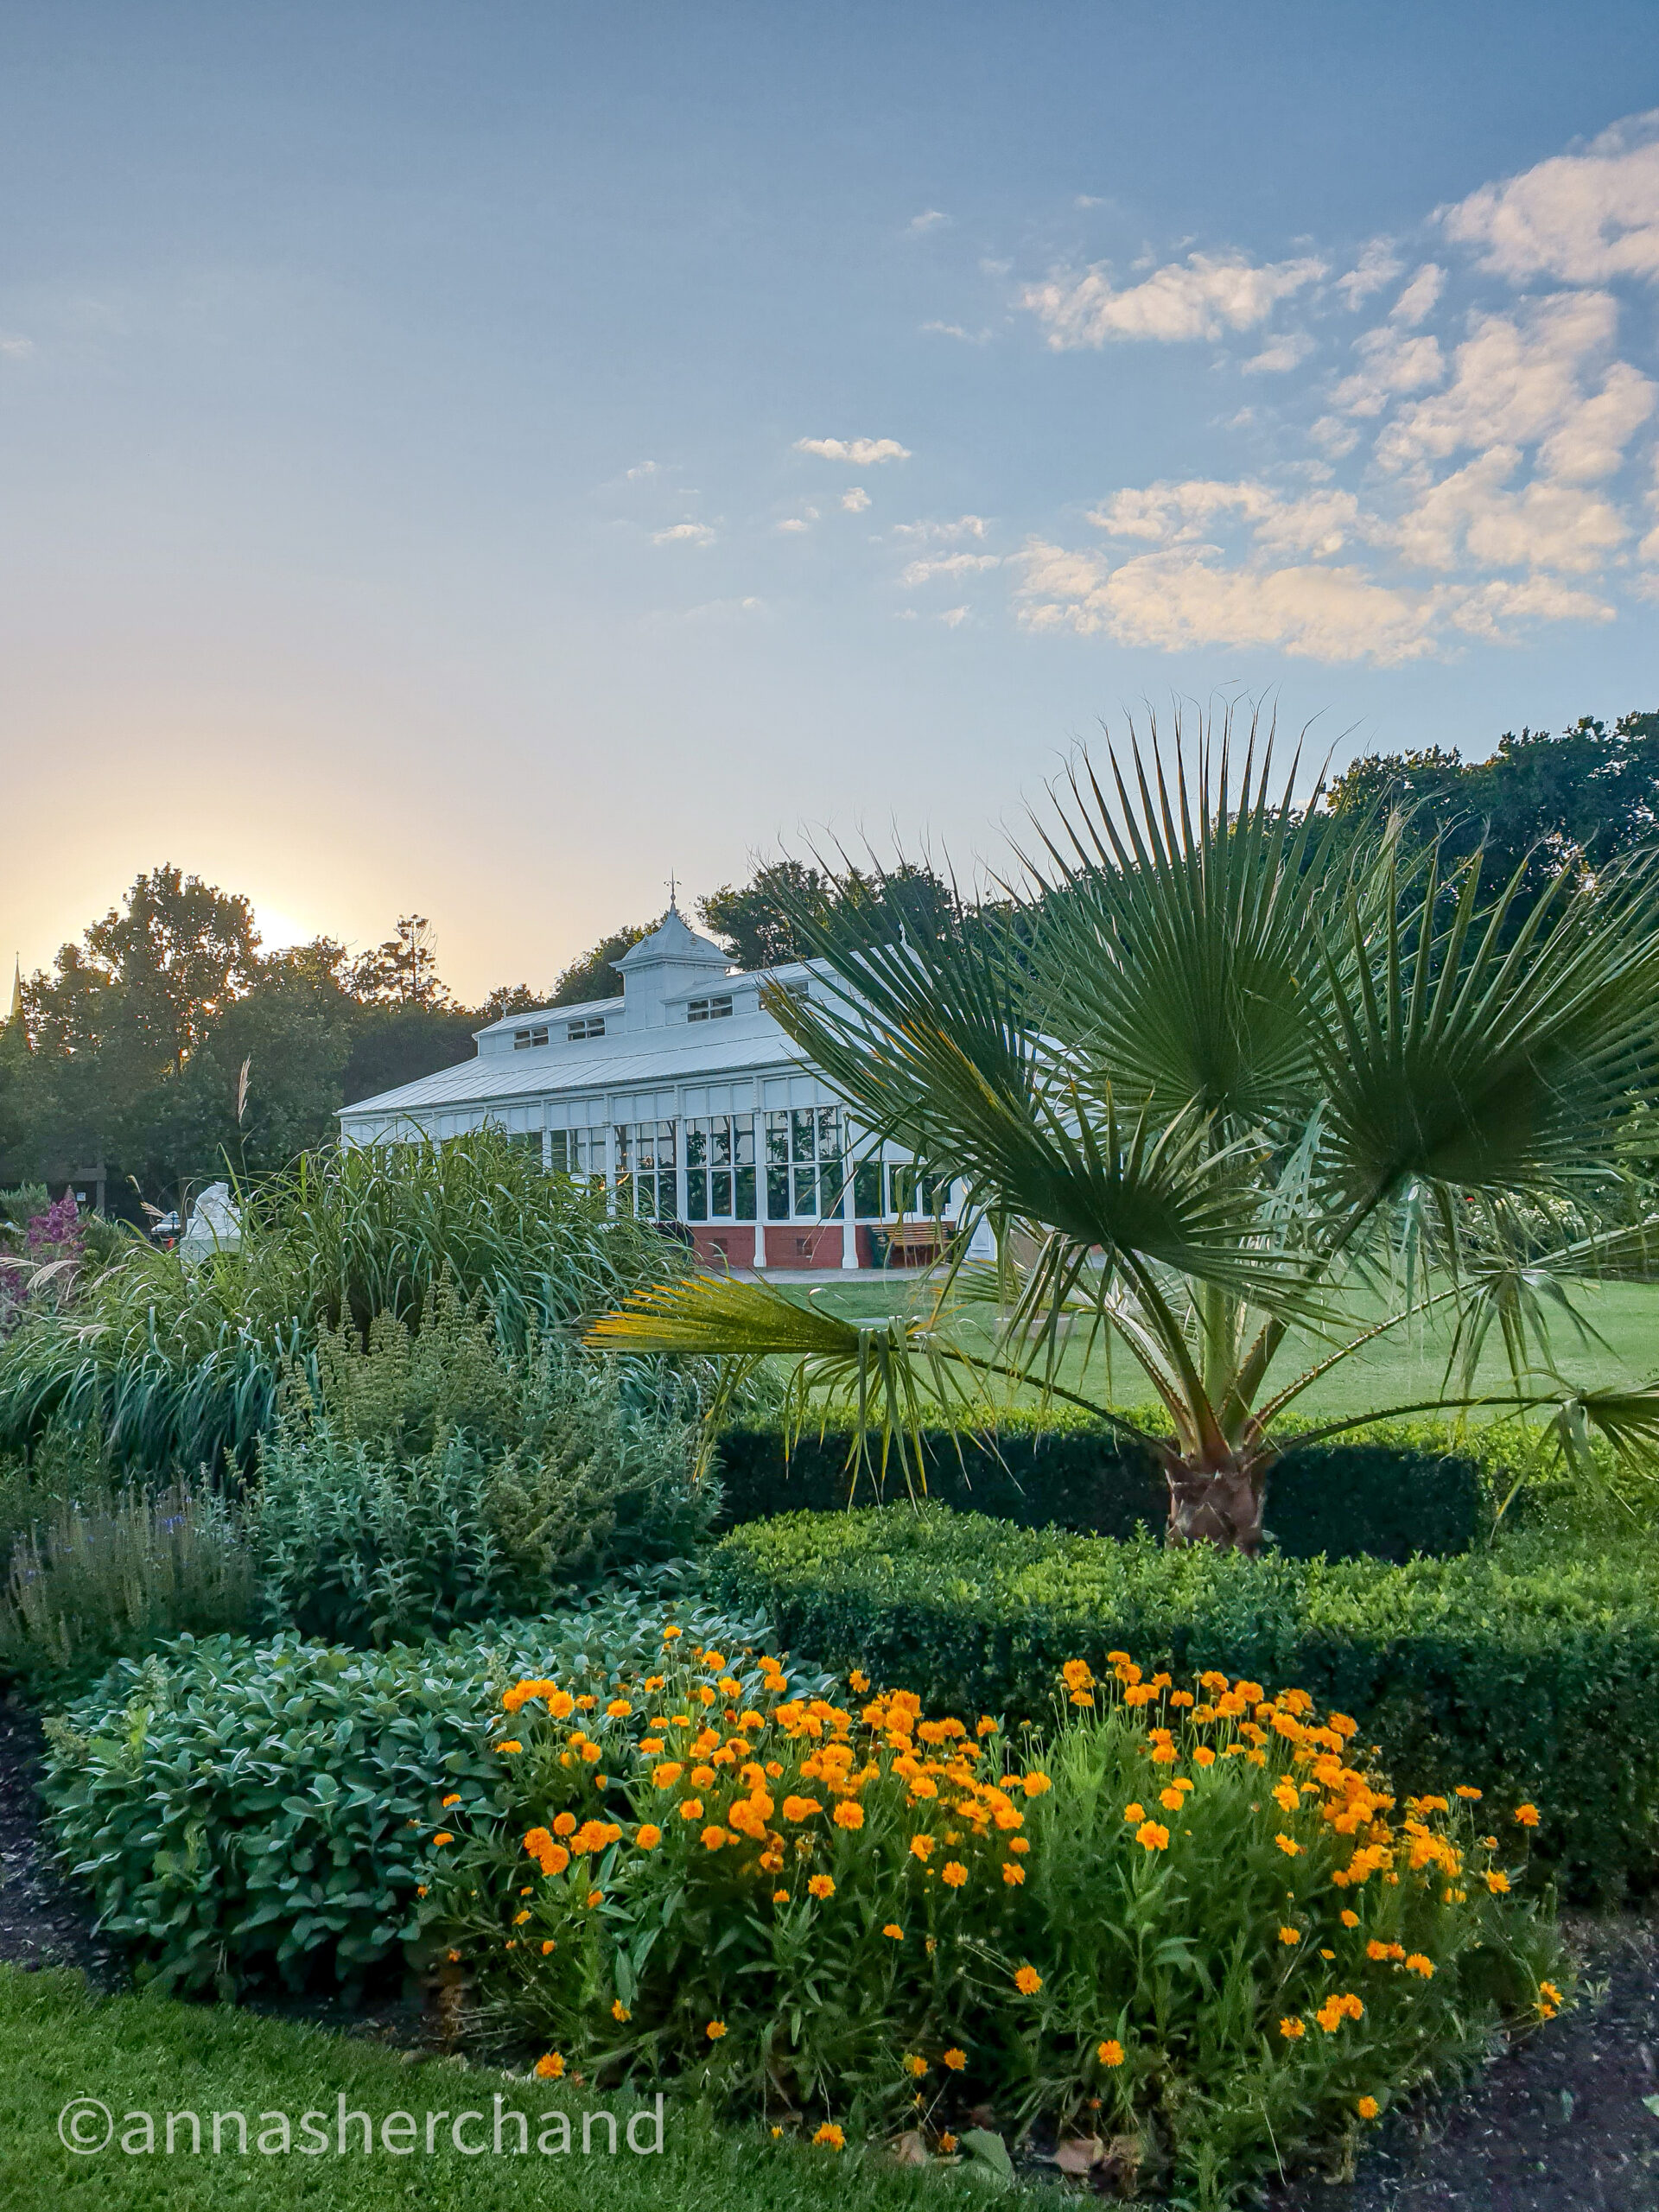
[688,1098]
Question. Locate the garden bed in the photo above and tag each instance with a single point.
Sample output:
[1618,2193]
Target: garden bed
[1556,2126]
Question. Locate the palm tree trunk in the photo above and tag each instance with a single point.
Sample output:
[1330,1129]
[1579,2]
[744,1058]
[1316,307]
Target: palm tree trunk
[1220,1505]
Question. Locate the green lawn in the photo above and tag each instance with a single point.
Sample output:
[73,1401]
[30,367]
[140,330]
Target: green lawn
[1405,1366]
[143,2055]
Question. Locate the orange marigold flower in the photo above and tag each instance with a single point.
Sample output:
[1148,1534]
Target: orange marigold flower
[1367,2107]
[954,2059]
[715,2030]
[1293,2029]
[801,1808]
[1465,1790]
[921,1847]
[691,1808]
[830,2136]
[620,2010]
[822,1885]
[442,1837]
[551,2066]
[1036,1783]
[955,1873]
[1013,1874]
[1350,1919]
[915,2065]
[513,1743]
[649,1836]
[848,1814]
[712,1838]
[1496,1881]
[548,1946]
[454,1798]
[1171,1800]
[1288,1845]
[1417,1963]
[1528,1815]
[1290,1935]
[565,1824]
[1028,1981]
[595,1896]
[1133,1813]
[1109,2053]
[1203,1756]
[1152,1835]
[667,1774]
[893,1932]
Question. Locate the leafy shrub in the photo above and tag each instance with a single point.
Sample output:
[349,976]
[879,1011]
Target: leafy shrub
[426,1481]
[1399,1491]
[241,1809]
[179,1364]
[1198,1920]
[112,1577]
[1507,1669]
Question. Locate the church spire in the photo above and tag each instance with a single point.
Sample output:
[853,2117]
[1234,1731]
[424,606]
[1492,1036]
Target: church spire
[17,992]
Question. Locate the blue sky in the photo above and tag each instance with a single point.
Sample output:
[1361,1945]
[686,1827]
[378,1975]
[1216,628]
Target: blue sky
[479,460]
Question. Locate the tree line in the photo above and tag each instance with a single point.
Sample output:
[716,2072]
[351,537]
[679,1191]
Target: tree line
[166,1043]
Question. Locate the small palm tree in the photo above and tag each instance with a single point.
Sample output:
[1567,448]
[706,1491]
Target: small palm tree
[1224,1075]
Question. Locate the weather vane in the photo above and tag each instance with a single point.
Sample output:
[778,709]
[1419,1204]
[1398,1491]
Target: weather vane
[673,893]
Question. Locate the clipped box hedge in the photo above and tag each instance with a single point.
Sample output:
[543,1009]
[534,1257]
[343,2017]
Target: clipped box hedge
[1527,1673]
[1394,1494]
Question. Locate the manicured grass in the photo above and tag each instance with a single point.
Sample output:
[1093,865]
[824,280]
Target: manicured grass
[138,2054]
[1402,1368]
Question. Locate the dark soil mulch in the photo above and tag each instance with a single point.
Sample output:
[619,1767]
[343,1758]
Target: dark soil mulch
[44,1920]
[1558,2126]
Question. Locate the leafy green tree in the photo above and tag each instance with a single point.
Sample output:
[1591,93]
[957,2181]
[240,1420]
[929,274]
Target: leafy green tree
[596,976]
[767,921]
[403,971]
[1540,805]
[1238,1071]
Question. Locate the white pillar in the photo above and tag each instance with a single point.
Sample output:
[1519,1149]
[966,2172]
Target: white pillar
[849,1209]
[759,1180]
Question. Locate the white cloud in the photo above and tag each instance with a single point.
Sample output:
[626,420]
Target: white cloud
[1517,380]
[1419,297]
[1179,513]
[954,617]
[856,501]
[863,453]
[683,533]
[1493,611]
[1378,265]
[948,564]
[1583,218]
[942,533]
[643,468]
[1280,354]
[1333,436]
[1472,517]
[1394,364]
[1201,297]
[793,524]
[1181,598]
[956,330]
[1590,443]
[928,219]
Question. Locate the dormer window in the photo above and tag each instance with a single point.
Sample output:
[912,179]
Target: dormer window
[709,1009]
[591,1025]
[523,1039]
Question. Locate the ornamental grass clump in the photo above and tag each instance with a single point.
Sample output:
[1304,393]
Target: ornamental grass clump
[1189,1930]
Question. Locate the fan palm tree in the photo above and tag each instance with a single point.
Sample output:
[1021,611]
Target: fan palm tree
[1224,1077]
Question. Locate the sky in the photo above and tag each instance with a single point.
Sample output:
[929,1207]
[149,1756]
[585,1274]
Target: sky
[481,460]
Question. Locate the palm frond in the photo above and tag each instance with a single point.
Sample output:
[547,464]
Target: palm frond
[1178,941]
[1487,1056]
